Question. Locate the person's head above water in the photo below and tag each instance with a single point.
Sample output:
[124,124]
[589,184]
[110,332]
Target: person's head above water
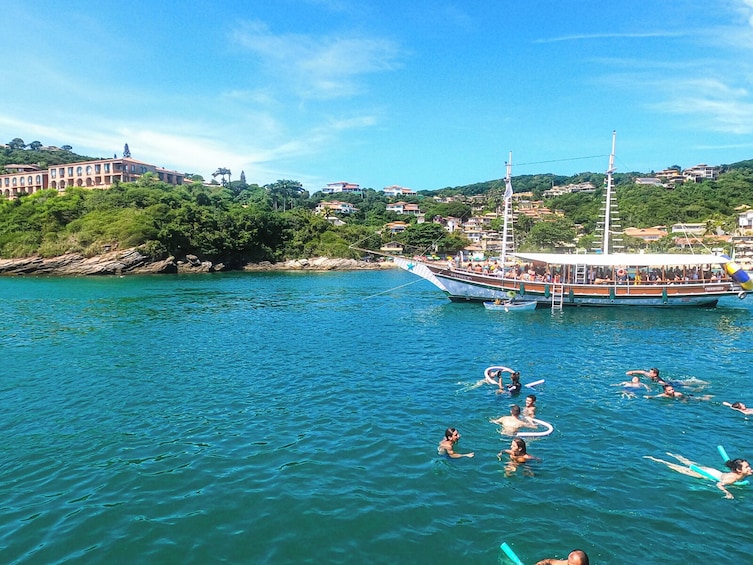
[515,410]
[518,446]
[739,466]
[577,557]
[451,433]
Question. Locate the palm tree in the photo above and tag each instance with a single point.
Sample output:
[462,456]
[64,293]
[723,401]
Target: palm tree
[222,172]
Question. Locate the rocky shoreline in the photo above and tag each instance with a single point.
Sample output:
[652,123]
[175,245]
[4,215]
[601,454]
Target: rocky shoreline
[133,262]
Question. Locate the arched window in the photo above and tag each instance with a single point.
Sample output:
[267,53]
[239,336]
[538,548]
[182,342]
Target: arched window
[22,181]
[14,181]
[79,171]
[39,179]
[79,182]
[54,184]
[30,181]
[88,169]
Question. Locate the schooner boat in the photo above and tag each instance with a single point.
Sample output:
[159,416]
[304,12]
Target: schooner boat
[590,279]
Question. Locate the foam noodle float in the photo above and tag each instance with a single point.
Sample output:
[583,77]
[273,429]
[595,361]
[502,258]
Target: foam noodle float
[510,554]
[493,369]
[534,383]
[738,274]
[548,429]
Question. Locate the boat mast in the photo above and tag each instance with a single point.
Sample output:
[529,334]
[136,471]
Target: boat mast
[608,210]
[508,198]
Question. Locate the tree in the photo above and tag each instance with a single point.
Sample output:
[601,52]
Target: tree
[35,145]
[222,172]
[16,143]
[126,151]
[552,234]
[284,189]
[66,148]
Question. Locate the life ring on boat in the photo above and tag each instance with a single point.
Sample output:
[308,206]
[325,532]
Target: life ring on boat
[545,432]
[742,294]
[621,272]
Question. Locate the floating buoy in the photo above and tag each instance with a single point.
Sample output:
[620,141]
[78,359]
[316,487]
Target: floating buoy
[620,272]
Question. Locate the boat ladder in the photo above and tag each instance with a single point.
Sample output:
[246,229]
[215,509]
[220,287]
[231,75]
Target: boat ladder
[581,272]
[558,296]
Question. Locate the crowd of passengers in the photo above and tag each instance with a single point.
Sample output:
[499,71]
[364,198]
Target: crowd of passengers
[596,275]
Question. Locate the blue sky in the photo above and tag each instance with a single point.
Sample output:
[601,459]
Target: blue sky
[422,94]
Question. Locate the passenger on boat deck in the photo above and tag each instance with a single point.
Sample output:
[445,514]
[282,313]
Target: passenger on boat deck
[739,469]
[529,411]
[652,374]
[447,445]
[512,423]
[635,382]
[740,407]
[576,557]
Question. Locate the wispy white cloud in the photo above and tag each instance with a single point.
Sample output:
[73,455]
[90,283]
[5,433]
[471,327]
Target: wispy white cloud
[324,66]
[627,35]
[711,104]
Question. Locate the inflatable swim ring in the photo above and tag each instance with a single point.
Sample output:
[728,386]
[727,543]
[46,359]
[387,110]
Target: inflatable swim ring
[541,433]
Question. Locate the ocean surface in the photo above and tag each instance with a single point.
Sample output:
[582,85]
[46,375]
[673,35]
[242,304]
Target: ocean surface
[295,417]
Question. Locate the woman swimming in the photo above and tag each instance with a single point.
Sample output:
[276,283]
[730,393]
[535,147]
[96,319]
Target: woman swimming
[739,469]
[518,455]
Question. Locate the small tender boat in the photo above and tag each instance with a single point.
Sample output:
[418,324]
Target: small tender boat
[511,306]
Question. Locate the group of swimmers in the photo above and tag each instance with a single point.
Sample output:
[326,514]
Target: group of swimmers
[517,454]
[739,469]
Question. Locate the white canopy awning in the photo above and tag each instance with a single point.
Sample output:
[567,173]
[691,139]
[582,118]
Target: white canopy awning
[623,259]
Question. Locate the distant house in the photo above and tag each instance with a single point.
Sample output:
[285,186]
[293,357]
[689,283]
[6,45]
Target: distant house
[646,234]
[335,206]
[403,208]
[568,189]
[745,220]
[670,176]
[393,247]
[648,181]
[341,186]
[692,229]
[396,227]
[700,173]
[394,191]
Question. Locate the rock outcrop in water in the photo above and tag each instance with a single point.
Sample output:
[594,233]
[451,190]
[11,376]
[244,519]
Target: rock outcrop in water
[132,261]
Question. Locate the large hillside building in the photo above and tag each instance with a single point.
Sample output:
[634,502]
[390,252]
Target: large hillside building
[101,173]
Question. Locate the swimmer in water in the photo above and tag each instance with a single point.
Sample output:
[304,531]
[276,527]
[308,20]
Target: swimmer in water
[518,455]
[669,392]
[635,382]
[740,407]
[447,445]
[652,374]
[529,410]
[512,423]
[739,469]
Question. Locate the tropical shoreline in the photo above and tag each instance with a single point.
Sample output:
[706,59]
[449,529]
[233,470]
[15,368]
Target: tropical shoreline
[133,262]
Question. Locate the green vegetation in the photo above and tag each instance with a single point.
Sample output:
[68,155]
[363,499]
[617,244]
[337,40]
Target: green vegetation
[235,222]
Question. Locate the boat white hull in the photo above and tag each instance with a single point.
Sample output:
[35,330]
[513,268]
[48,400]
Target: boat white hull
[461,285]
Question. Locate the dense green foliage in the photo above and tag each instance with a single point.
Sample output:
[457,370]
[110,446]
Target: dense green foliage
[235,222]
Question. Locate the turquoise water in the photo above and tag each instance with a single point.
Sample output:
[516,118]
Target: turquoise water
[294,418]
